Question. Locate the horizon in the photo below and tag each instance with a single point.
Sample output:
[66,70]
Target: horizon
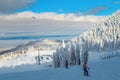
[38,17]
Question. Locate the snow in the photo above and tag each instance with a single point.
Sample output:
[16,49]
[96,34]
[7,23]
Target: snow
[48,41]
[103,59]
[99,70]
[102,38]
[28,52]
[27,59]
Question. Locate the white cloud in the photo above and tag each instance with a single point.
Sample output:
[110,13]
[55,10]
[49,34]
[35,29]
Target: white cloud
[48,22]
[9,6]
[54,16]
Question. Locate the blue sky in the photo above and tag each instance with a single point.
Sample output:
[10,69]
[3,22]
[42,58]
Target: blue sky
[92,7]
[87,7]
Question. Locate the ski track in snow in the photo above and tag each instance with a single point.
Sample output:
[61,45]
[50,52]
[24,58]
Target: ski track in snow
[99,70]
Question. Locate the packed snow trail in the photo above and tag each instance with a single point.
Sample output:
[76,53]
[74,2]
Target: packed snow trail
[99,70]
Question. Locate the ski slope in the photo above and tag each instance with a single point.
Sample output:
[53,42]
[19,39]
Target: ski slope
[98,40]
[27,59]
[99,70]
[27,53]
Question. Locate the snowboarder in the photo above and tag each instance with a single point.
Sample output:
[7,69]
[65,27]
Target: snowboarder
[85,68]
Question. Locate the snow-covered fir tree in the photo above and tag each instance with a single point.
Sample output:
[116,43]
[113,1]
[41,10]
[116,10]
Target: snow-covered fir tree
[104,36]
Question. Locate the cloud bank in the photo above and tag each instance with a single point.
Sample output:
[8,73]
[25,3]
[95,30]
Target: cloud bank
[10,6]
[48,23]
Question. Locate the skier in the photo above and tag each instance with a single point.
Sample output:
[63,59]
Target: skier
[66,64]
[85,68]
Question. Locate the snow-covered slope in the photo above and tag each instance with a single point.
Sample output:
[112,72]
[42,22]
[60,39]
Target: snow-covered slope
[29,58]
[44,44]
[29,53]
[99,70]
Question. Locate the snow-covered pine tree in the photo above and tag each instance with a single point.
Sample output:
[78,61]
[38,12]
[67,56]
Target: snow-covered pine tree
[73,54]
[56,58]
[78,48]
[104,37]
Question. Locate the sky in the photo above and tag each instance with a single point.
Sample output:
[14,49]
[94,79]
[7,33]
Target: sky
[53,16]
[92,7]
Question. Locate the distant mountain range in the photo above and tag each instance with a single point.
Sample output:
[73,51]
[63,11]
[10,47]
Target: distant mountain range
[44,44]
